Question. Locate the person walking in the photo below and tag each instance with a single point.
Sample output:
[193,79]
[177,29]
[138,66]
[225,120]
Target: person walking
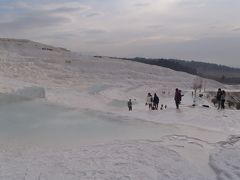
[149,101]
[223,96]
[218,97]
[155,101]
[130,105]
[177,98]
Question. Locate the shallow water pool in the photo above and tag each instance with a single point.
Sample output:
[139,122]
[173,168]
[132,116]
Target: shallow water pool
[39,122]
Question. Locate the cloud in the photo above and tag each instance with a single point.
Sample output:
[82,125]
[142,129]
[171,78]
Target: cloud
[15,5]
[66,9]
[33,20]
[191,3]
[94,14]
[39,16]
[51,7]
[216,50]
[236,29]
[142,4]
[123,27]
[61,38]
[95,31]
[156,26]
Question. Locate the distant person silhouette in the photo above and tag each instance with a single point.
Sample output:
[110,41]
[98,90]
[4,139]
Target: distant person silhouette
[177,97]
[155,101]
[223,96]
[218,97]
[130,105]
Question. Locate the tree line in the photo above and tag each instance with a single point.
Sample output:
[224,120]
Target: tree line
[221,73]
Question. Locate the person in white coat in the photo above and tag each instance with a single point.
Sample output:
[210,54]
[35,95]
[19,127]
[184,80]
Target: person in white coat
[149,101]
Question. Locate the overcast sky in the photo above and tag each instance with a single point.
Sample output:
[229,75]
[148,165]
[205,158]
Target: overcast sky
[204,30]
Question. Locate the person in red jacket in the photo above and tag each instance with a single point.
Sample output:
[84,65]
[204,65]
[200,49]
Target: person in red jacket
[177,97]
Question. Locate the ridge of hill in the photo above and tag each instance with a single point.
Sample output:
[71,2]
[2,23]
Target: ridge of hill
[26,48]
[220,73]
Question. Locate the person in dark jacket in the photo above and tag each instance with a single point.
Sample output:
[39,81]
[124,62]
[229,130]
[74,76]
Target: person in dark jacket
[223,96]
[218,97]
[130,105]
[155,101]
[177,98]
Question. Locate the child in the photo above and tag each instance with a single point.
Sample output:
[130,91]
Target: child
[161,107]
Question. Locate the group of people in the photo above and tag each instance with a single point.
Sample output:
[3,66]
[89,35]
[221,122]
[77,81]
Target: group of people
[152,101]
[221,95]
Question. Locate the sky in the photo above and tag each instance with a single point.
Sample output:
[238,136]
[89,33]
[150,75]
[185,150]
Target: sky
[201,30]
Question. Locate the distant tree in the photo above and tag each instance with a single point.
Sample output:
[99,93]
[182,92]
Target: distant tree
[216,72]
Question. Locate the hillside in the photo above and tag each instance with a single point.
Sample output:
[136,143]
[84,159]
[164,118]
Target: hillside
[64,116]
[223,74]
[26,48]
[25,60]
